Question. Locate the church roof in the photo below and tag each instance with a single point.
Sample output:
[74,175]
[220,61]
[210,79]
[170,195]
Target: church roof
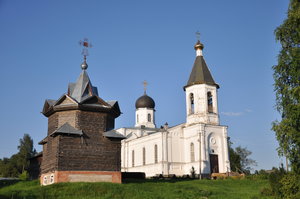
[83,88]
[113,134]
[81,95]
[66,128]
[144,102]
[200,73]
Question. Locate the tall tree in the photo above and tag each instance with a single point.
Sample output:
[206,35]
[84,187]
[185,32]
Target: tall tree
[235,159]
[245,161]
[19,162]
[26,151]
[240,160]
[287,86]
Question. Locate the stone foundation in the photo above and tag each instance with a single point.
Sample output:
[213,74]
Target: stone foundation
[80,176]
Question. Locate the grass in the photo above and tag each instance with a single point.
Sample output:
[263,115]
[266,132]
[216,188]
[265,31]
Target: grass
[147,189]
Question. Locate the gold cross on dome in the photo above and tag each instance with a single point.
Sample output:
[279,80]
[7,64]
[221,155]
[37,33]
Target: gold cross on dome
[198,35]
[145,83]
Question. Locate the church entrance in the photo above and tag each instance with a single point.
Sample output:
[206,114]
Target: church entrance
[214,163]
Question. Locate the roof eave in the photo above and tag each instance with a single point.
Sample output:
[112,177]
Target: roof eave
[195,83]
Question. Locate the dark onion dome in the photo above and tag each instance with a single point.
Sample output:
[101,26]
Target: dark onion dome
[144,102]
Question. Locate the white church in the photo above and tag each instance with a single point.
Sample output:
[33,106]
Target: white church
[200,142]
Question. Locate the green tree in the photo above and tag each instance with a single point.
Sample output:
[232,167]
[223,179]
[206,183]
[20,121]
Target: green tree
[239,159]
[8,167]
[287,87]
[26,151]
[235,159]
[245,161]
[19,162]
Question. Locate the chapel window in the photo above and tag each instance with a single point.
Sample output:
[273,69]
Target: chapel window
[144,156]
[192,153]
[155,153]
[149,117]
[192,103]
[209,102]
[132,158]
[52,179]
[45,182]
[137,118]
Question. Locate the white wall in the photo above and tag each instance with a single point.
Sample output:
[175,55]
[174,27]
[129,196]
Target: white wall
[141,117]
[201,114]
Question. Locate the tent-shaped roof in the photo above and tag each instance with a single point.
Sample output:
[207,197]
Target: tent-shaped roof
[83,96]
[83,88]
[200,73]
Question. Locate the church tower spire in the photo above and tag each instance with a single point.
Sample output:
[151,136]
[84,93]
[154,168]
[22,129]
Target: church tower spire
[201,92]
[83,88]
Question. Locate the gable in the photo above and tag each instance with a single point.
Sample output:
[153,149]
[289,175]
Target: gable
[65,100]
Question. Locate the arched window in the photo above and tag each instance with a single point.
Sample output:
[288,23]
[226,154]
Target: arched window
[132,158]
[144,156]
[137,118]
[52,179]
[209,102]
[155,153]
[192,153]
[149,117]
[45,182]
[192,103]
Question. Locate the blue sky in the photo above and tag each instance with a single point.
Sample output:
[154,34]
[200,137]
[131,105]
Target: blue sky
[135,41]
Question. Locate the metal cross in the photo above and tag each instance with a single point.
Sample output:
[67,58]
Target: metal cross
[145,83]
[198,35]
[86,44]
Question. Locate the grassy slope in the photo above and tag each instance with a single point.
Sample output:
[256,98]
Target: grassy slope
[193,189]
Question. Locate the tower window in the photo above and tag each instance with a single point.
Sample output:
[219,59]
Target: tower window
[192,103]
[155,153]
[144,156]
[132,158]
[209,102]
[137,118]
[192,153]
[149,117]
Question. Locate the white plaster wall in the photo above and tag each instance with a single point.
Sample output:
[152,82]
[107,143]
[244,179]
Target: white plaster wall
[201,114]
[137,144]
[174,155]
[141,117]
[191,135]
[176,146]
[216,137]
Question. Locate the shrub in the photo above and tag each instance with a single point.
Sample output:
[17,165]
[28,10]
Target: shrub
[266,191]
[24,175]
[260,175]
[274,180]
[290,188]
[193,173]
[236,177]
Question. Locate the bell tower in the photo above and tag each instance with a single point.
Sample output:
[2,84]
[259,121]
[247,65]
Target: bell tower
[201,92]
